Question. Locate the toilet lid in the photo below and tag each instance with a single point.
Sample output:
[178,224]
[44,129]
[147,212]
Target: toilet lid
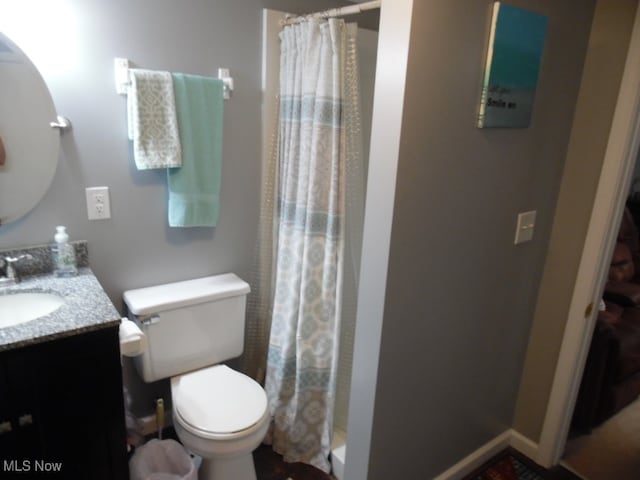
[218,399]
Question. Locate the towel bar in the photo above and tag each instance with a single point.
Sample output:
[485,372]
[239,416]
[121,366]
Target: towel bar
[121,70]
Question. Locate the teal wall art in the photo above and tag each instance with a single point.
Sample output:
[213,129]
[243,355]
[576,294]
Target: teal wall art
[514,54]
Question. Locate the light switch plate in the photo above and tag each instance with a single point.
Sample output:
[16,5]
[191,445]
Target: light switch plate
[526,226]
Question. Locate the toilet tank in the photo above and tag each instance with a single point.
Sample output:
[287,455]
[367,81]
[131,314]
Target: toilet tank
[189,325]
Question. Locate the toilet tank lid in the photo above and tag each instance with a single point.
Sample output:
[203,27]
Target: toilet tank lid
[150,300]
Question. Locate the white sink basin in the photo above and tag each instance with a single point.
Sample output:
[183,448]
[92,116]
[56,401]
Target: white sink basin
[20,307]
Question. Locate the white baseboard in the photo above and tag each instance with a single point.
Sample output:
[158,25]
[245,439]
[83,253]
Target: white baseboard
[509,438]
[477,458]
[524,445]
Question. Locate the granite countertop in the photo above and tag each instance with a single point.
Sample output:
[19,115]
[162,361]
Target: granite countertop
[86,307]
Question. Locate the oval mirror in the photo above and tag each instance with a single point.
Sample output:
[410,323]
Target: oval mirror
[30,145]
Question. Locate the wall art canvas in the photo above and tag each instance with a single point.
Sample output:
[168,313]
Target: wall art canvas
[516,43]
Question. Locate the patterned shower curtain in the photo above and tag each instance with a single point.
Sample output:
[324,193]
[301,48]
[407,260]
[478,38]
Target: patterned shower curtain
[309,246]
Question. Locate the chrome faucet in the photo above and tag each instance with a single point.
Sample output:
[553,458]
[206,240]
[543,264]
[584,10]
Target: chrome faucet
[11,276]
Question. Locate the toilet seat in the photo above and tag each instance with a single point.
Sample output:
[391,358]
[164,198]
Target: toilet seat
[218,402]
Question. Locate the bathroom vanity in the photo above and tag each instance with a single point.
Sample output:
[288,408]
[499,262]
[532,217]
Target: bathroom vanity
[61,401]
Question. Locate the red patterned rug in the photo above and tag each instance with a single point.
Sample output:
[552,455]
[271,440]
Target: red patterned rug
[509,465]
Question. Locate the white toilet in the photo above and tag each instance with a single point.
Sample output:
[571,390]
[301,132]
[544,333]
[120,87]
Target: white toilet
[192,326]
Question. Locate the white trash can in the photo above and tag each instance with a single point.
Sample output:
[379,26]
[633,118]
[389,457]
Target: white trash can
[162,460]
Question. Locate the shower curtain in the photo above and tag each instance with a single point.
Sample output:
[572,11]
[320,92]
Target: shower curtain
[317,145]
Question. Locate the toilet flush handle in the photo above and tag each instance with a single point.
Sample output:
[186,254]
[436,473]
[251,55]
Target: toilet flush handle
[150,320]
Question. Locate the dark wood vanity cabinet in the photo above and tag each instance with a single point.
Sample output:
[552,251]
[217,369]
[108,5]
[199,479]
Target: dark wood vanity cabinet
[61,409]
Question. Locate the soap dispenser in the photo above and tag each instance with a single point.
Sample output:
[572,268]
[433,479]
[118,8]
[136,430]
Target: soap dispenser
[64,254]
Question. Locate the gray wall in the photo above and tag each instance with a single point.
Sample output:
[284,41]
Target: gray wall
[136,247]
[460,296]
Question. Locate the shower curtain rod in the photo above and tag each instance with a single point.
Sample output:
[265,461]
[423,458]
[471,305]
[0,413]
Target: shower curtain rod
[333,12]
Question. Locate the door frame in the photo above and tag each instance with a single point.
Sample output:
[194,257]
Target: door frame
[619,160]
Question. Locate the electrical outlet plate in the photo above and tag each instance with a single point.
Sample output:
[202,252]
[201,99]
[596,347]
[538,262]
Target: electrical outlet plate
[98,203]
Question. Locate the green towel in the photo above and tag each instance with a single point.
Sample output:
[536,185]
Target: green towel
[194,189]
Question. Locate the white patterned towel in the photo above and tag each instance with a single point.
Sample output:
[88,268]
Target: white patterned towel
[153,124]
